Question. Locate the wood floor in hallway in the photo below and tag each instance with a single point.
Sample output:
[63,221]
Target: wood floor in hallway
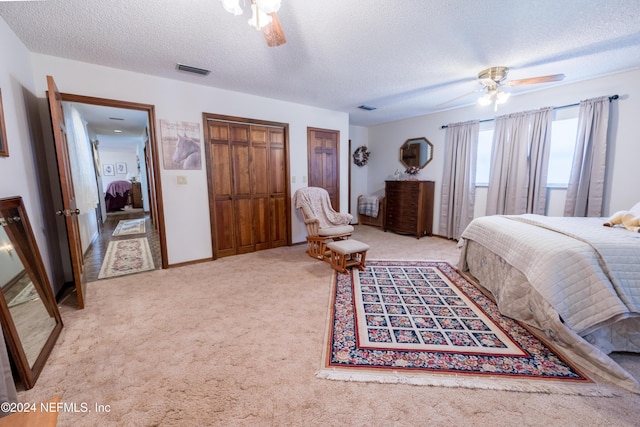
[96,252]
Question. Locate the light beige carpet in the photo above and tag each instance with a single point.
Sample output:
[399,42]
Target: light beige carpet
[236,342]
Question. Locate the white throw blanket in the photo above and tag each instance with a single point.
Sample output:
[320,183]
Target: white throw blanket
[369,206]
[588,273]
[317,200]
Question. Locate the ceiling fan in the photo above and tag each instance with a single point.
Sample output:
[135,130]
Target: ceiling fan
[494,78]
[264,17]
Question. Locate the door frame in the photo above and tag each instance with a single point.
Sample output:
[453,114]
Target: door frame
[207,151]
[155,185]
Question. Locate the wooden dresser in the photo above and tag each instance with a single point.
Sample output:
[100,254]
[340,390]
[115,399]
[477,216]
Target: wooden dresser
[136,195]
[409,207]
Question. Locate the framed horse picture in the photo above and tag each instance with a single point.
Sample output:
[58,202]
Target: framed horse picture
[181,145]
[4,149]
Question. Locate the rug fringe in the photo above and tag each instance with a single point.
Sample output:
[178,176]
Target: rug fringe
[488,383]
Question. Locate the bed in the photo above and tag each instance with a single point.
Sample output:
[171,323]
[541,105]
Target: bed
[572,278]
[117,195]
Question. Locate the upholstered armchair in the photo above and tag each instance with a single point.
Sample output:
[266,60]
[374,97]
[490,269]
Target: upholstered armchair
[323,223]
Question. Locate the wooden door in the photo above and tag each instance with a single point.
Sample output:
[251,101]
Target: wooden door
[69,208]
[241,187]
[248,189]
[260,187]
[278,187]
[221,199]
[324,162]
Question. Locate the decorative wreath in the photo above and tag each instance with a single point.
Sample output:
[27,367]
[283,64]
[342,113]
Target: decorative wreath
[361,156]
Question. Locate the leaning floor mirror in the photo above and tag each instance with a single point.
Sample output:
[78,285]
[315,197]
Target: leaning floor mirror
[30,317]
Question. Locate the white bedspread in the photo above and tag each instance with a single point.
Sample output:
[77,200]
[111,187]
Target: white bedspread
[590,274]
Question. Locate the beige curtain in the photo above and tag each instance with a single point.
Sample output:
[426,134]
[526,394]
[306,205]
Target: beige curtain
[585,191]
[519,163]
[81,160]
[539,144]
[458,181]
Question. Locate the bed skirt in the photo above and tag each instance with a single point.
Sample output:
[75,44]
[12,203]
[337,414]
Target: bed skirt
[517,299]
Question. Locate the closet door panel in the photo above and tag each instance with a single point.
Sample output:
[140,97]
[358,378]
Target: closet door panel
[278,221]
[241,170]
[225,240]
[260,166]
[224,228]
[221,168]
[244,235]
[261,219]
[278,179]
[260,189]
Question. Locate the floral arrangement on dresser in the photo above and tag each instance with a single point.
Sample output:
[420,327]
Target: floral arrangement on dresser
[413,170]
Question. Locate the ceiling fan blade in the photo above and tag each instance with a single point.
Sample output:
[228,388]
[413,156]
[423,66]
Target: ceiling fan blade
[273,33]
[534,80]
[459,97]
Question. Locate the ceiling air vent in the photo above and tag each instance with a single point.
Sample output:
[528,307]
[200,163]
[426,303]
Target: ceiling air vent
[367,107]
[195,70]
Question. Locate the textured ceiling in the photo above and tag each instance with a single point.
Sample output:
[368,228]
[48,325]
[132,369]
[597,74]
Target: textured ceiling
[404,57]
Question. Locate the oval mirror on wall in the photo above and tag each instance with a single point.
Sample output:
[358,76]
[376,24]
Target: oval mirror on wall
[416,152]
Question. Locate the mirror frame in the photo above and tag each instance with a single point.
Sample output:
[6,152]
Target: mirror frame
[4,149]
[25,246]
[409,142]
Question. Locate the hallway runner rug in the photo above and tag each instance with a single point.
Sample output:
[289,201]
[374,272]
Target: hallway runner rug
[27,294]
[423,323]
[126,257]
[129,226]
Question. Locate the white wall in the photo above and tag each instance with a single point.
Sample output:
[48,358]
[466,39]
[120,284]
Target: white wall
[18,172]
[624,151]
[358,136]
[186,207]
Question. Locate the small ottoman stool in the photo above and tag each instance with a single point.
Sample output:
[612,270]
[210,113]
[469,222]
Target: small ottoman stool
[347,253]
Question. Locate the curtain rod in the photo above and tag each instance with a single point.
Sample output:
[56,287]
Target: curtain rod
[611,98]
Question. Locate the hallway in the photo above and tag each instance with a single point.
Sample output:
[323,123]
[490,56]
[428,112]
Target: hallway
[96,252]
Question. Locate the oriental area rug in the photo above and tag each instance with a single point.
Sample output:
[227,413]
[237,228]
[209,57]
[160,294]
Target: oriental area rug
[129,226]
[126,257]
[423,323]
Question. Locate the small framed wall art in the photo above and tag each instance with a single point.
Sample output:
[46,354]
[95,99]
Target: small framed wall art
[121,168]
[108,170]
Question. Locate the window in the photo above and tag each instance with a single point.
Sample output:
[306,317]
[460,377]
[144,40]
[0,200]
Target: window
[563,146]
[483,164]
[563,141]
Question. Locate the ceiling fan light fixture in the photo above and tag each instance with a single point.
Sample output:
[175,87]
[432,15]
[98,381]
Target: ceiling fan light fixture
[232,6]
[485,100]
[502,97]
[268,6]
[259,18]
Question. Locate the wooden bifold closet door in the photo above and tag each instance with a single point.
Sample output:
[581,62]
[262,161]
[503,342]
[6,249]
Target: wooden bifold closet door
[247,186]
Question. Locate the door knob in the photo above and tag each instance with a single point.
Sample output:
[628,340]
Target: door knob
[68,212]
